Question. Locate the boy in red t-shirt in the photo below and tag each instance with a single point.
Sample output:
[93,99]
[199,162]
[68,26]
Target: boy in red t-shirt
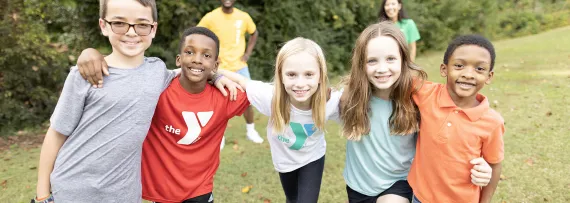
[181,150]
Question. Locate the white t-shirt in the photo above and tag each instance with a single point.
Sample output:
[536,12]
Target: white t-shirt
[300,144]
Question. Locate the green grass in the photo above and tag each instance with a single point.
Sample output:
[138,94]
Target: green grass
[530,88]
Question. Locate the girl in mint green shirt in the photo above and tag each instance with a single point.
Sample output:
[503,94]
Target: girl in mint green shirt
[392,10]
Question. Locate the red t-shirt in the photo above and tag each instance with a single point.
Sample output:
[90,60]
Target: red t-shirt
[181,152]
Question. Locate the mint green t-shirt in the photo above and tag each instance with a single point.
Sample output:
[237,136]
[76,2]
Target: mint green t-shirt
[408,27]
[379,159]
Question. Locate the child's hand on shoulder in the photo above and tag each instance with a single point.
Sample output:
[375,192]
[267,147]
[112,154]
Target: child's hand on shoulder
[481,172]
[232,86]
[92,66]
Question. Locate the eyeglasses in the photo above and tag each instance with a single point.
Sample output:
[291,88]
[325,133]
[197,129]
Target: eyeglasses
[120,28]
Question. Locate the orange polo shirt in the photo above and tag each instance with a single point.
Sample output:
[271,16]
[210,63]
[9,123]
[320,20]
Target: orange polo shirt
[449,138]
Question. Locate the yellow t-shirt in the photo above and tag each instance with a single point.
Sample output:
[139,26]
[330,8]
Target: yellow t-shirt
[230,29]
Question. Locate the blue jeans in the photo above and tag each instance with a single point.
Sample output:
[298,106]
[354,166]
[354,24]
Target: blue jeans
[415,200]
[244,72]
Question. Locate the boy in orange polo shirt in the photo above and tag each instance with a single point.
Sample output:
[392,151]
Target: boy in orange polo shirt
[457,125]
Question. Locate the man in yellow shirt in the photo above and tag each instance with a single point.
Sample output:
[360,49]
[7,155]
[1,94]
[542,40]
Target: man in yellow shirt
[230,25]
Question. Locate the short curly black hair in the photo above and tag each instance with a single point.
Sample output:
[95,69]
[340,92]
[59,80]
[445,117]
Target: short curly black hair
[477,40]
[201,31]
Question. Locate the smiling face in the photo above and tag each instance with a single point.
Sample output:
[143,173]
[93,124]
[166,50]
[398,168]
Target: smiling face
[300,75]
[467,71]
[392,9]
[129,44]
[198,58]
[383,64]
[228,3]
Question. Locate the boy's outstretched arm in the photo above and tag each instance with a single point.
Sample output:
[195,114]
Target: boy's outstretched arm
[489,190]
[52,143]
[92,66]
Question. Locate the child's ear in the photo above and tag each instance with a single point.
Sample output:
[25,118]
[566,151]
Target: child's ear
[216,64]
[153,32]
[103,26]
[488,81]
[178,63]
[443,70]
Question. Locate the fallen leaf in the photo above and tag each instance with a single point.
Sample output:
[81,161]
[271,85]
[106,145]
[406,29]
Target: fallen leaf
[27,187]
[502,177]
[236,147]
[33,168]
[6,159]
[549,113]
[529,161]
[246,189]
[234,142]
[266,201]
[244,174]
[4,184]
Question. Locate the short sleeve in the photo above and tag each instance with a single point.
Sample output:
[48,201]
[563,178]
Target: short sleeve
[69,108]
[205,21]
[260,95]
[168,77]
[493,146]
[412,32]
[426,89]
[236,108]
[333,103]
[251,28]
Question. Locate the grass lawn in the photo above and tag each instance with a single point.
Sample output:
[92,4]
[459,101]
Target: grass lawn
[530,90]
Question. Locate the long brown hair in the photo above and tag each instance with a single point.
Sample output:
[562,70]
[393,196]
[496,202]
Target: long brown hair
[354,103]
[280,104]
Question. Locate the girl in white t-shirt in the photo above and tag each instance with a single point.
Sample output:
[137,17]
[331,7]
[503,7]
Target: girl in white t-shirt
[298,103]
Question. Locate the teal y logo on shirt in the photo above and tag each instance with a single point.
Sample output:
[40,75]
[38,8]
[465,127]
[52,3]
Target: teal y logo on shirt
[301,133]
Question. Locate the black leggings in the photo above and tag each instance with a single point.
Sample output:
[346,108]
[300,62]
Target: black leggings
[304,184]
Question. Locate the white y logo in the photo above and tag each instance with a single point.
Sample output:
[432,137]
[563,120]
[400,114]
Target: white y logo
[194,128]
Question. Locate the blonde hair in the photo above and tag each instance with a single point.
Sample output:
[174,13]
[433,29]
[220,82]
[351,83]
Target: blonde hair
[354,103]
[281,105]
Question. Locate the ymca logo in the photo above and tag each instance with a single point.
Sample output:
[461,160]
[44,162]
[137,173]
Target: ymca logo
[302,132]
[194,123]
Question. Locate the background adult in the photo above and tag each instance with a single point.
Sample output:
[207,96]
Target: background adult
[230,25]
[394,11]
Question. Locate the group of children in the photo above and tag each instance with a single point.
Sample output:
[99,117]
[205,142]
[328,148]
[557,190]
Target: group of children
[408,139]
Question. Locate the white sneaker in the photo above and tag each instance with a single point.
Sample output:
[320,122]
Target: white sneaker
[254,136]
[223,143]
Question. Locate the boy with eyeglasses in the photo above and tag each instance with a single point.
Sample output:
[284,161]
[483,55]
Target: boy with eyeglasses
[92,150]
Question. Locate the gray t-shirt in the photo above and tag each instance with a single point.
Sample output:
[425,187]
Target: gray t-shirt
[101,159]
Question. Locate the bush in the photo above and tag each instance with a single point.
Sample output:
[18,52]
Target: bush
[41,38]
[32,67]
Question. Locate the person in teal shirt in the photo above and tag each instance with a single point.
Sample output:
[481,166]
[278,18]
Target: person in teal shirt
[394,11]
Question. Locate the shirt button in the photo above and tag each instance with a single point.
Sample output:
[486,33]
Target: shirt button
[448,124]
[456,111]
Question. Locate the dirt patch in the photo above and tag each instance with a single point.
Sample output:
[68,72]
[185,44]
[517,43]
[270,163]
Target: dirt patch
[22,139]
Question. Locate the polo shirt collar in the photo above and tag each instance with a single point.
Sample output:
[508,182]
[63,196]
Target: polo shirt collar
[474,113]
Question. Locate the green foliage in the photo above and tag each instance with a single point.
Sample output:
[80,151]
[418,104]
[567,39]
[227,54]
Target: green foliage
[32,66]
[40,39]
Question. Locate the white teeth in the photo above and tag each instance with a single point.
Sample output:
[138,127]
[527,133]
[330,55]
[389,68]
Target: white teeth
[196,70]
[465,85]
[382,78]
